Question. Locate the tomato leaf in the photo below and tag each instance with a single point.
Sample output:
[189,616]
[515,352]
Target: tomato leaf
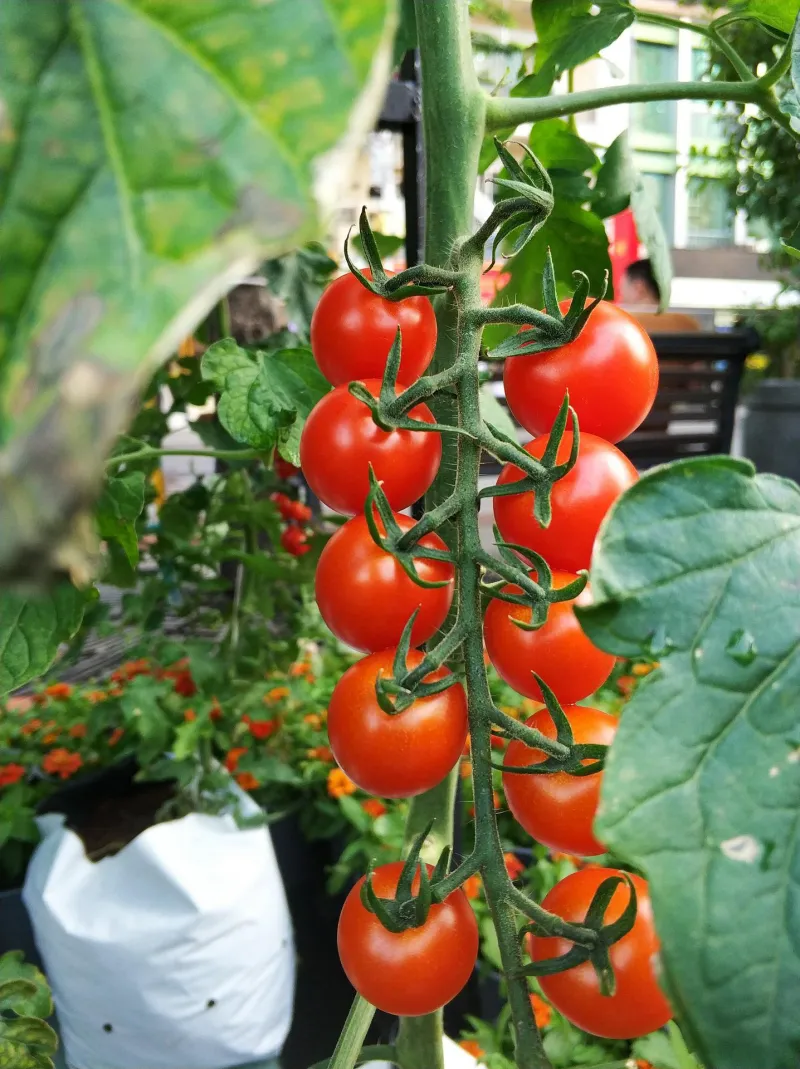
[31,630]
[568,34]
[151,154]
[118,509]
[616,179]
[697,564]
[558,147]
[222,359]
[780,14]
[495,413]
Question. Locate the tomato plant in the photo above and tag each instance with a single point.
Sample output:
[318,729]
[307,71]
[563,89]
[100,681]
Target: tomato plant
[352,331]
[365,596]
[580,501]
[610,371]
[400,754]
[341,440]
[638,1005]
[558,651]
[559,809]
[412,972]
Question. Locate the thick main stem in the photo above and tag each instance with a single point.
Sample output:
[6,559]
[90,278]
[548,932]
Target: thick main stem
[453,127]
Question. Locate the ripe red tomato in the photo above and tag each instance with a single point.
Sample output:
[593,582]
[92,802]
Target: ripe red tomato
[639,1005]
[283,469]
[580,501]
[610,370]
[395,755]
[557,809]
[340,440]
[413,972]
[295,541]
[352,331]
[559,652]
[366,598]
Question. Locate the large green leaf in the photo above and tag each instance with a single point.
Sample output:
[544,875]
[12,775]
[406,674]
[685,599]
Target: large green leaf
[780,14]
[31,630]
[558,147]
[118,509]
[568,34]
[36,1002]
[698,564]
[151,153]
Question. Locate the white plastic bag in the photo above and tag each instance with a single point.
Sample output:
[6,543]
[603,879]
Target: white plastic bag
[176,952]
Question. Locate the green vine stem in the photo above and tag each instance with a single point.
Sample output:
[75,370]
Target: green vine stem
[150,453]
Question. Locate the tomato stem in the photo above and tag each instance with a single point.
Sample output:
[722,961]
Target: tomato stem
[348,1049]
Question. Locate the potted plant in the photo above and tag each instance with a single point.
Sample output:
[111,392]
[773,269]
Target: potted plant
[771,434]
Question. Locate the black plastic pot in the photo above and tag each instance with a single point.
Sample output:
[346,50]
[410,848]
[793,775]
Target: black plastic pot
[15,927]
[771,436]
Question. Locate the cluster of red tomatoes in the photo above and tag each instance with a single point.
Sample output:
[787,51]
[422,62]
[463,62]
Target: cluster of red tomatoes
[296,515]
[366,598]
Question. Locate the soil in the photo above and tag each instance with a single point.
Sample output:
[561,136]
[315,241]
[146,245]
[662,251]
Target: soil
[110,822]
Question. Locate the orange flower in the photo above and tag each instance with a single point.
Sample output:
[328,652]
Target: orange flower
[542,1011]
[78,731]
[19,705]
[473,1047]
[320,753]
[50,738]
[373,808]
[11,774]
[465,771]
[31,726]
[472,886]
[216,711]
[234,756]
[514,866]
[496,800]
[310,677]
[116,692]
[190,715]
[95,696]
[62,763]
[642,1064]
[644,669]
[247,781]
[130,670]
[184,684]
[339,783]
[276,694]
[59,691]
[626,684]
[262,729]
[314,720]
[299,668]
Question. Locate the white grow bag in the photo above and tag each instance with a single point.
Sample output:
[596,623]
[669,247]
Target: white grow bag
[176,952]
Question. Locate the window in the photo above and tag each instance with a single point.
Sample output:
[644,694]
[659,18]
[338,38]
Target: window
[710,222]
[708,123]
[661,190]
[655,63]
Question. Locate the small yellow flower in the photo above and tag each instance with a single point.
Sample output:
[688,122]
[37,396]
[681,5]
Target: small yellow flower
[757,362]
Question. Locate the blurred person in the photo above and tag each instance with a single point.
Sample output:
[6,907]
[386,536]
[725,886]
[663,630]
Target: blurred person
[640,295]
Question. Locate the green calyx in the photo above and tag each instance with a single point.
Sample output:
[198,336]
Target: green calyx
[408,910]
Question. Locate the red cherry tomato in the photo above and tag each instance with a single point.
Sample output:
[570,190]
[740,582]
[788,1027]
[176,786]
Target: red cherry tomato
[557,809]
[366,598]
[401,754]
[580,501]
[283,469]
[340,440]
[294,541]
[413,972]
[352,331]
[610,370]
[639,1005]
[559,651]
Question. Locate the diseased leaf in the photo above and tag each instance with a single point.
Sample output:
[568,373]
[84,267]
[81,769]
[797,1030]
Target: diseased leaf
[31,630]
[151,154]
[698,565]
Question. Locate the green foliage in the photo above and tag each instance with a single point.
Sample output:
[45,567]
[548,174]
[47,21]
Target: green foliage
[299,278]
[264,400]
[31,629]
[26,1041]
[699,788]
[117,510]
[151,194]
